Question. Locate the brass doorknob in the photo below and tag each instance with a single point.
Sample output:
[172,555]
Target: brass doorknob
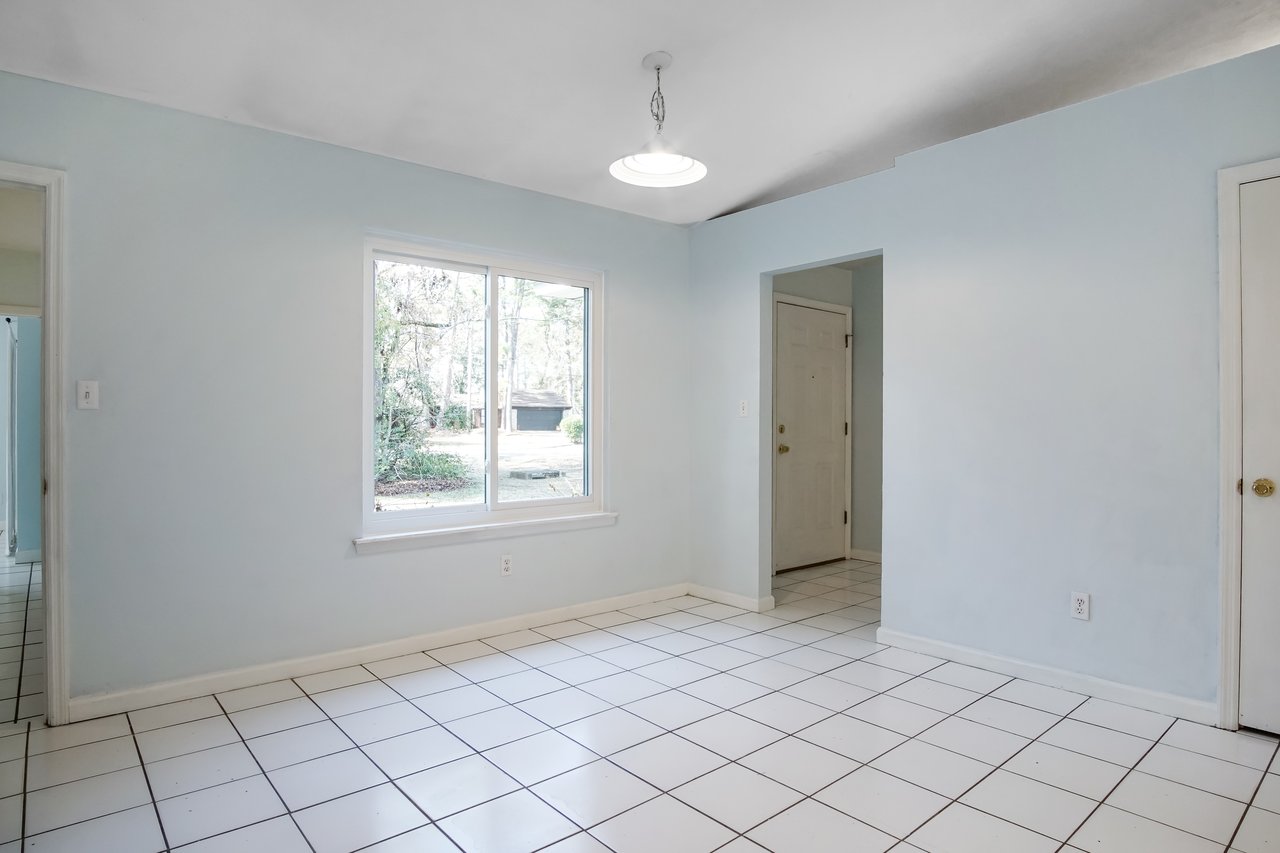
[1264,488]
[782,448]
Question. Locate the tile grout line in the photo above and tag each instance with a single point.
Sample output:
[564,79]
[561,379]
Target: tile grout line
[728,761]
[956,799]
[675,732]
[26,764]
[143,765]
[956,714]
[22,656]
[27,618]
[523,787]
[396,783]
[333,722]
[911,738]
[1249,805]
[268,779]
[73,781]
[1119,782]
[990,693]
[146,777]
[663,730]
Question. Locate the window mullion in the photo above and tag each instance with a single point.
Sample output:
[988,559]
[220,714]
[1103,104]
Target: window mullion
[492,314]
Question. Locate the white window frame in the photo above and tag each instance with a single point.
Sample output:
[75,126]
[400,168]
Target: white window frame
[397,529]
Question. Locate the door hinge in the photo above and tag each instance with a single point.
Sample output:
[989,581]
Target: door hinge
[1239,487]
[847,338]
[846,427]
[846,516]
[45,486]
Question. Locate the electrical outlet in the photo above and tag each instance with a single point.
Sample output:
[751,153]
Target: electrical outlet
[1080,605]
[505,565]
[742,408]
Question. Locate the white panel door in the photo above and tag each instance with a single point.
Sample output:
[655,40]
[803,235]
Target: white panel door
[810,469]
[1260,545]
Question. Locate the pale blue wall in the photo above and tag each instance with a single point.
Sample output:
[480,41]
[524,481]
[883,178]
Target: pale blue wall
[1050,383]
[214,288]
[1051,387]
[28,498]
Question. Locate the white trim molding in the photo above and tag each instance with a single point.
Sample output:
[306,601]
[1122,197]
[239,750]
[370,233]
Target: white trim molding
[479,532]
[56,399]
[733,599]
[868,556]
[1196,710]
[104,704]
[1231,429]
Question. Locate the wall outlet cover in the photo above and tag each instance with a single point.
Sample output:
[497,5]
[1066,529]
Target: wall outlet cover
[1080,605]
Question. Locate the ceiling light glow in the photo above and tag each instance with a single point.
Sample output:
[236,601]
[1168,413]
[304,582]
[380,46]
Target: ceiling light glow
[658,164]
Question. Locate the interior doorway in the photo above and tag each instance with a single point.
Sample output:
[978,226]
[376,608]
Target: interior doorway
[1249,211]
[22,617]
[827,482]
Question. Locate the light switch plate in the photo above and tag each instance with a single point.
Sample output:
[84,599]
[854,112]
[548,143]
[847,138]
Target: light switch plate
[86,394]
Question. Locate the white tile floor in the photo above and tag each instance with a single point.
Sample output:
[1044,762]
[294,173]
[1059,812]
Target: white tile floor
[677,726]
[21,641]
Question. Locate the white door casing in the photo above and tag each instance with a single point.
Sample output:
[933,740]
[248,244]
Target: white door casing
[1260,513]
[810,432]
[54,398]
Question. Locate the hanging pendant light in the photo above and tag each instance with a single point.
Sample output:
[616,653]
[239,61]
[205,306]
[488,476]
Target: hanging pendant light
[658,164]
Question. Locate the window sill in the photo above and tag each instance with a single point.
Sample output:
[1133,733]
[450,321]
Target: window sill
[381,542]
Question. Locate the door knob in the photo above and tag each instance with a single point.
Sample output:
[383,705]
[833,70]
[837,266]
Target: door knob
[1263,487]
[782,448]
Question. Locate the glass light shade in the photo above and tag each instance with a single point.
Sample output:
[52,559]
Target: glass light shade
[658,165]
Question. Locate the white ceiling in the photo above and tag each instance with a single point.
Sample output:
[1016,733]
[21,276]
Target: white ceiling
[777,98]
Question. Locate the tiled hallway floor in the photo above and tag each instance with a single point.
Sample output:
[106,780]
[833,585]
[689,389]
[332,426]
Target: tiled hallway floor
[21,642]
[670,727]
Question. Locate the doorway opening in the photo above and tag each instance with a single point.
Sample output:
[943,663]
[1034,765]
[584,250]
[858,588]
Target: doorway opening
[34,683]
[824,441]
[1249,216]
[827,414]
[22,657]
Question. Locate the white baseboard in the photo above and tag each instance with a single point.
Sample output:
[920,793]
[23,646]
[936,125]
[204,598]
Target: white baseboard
[733,599]
[104,704]
[869,556]
[1196,710]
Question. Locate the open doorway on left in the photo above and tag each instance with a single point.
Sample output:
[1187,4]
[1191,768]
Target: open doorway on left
[22,659]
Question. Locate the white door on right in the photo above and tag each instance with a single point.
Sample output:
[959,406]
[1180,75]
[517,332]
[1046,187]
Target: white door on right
[811,469]
[1260,544]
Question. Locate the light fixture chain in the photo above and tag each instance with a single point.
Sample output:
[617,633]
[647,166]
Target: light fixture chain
[657,105]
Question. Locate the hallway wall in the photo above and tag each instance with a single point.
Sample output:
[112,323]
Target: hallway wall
[1050,373]
[28,479]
